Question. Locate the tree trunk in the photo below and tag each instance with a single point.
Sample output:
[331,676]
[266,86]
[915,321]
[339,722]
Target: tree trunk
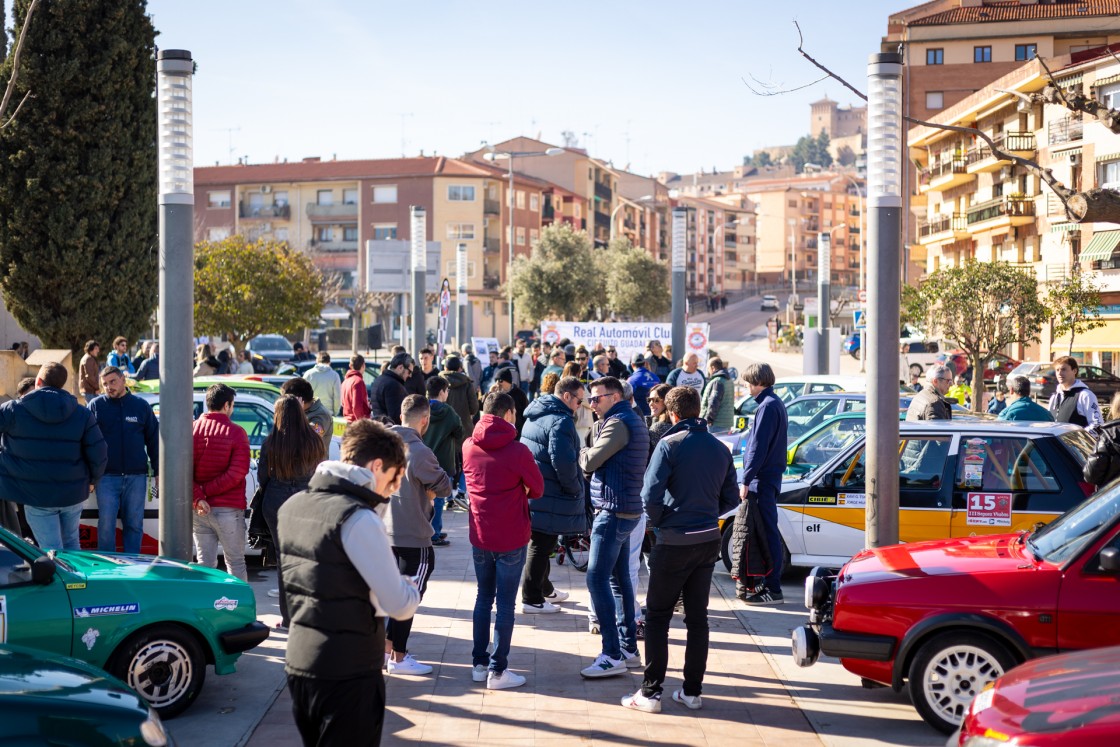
[1095,206]
[977,383]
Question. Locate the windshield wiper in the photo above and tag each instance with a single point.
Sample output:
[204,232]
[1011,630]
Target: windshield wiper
[1032,548]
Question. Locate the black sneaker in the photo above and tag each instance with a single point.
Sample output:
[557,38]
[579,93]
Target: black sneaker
[441,542]
[640,627]
[765,598]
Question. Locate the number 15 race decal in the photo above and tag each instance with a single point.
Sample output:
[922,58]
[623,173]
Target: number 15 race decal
[989,509]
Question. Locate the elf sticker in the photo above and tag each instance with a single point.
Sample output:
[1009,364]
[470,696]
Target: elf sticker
[988,509]
[852,500]
[3,620]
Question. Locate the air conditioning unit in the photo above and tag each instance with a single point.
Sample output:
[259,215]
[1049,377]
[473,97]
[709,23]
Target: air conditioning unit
[266,188]
[1074,159]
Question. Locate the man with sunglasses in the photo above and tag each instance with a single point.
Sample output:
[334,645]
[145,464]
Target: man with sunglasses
[930,403]
[616,462]
[389,391]
[617,367]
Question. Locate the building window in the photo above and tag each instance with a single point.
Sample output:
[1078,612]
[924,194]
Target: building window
[1108,176]
[280,199]
[349,233]
[935,56]
[350,196]
[935,100]
[793,203]
[325,234]
[218,199]
[1024,52]
[386,194]
[981,54]
[520,199]
[460,193]
[384,231]
[217,234]
[521,236]
[534,202]
[1110,95]
[460,231]
[534,236]
[453,265]
[324,197]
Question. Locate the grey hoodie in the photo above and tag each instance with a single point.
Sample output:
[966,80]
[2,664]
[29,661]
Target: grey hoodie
[408,521]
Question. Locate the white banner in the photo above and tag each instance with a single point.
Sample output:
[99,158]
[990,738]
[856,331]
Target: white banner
[483,346]
[628,338]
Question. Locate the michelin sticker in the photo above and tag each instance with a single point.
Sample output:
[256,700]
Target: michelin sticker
[131,608]
[3,620]
[90,638]
[225,604]
[851,500]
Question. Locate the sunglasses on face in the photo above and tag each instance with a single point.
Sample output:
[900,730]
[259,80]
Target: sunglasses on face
[581,360]
[594,399]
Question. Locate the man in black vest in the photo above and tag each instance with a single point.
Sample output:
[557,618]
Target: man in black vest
[334,552]
[1072,401]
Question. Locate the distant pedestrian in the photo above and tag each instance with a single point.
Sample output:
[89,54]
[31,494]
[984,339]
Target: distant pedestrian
[1020,406]
[960,392]
[472,366]
[523,360]
[658,364]
[299,353]
[690,483]
[428,365]
[930,403]
[998,403]
[502,478]
[325,383]
[119,356]
[1072,401]
[688,374]
[764,462]
[149,369]
[318,417]
[462,393]
[556,362]
[131,433]
[503,379]
[52,454]
[225,363]
[389,389]
[413,379]
[89,382]
[616,368]
[221,462]
[355,398]
[659,420]
[444,437]
[1103,465]
[334,554]
[642,382]
[717,406]
[245,363]
[288,458]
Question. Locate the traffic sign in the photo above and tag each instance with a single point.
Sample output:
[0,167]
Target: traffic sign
[860,319]
[863,296]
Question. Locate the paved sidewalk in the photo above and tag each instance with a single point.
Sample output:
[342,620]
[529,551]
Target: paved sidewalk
[745,702]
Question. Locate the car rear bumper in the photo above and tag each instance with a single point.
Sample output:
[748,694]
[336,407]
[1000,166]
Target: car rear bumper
[844,645]
[243,639]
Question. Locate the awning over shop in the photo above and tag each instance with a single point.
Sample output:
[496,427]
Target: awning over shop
[1101,338]
[333,312]
[1101,246]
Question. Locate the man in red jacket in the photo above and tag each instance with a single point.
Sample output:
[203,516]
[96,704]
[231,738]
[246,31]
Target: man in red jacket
[502,477]
[221,461]
[355,398]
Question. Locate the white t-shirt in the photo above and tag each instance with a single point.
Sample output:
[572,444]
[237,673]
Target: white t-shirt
[694,379]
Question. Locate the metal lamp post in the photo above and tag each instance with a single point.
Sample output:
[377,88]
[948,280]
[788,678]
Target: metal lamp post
[680,231]
[494,155]
[419,275]
[884,198]
[463,320]
[176,300]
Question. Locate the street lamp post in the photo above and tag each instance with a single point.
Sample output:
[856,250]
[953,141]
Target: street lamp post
[419,276]
[493,155]
[680,230]
[792,270]
[463,320]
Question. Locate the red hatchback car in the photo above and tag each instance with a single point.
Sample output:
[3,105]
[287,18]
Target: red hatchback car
[947,617]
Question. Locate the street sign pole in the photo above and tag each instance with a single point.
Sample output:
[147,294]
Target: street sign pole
[680,222]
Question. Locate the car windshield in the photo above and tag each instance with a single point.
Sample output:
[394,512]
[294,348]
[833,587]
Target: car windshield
[1069,533]
[825,443]
[271,343]
[1025,369]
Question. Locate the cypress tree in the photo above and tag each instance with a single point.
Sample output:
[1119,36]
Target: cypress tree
[78,221]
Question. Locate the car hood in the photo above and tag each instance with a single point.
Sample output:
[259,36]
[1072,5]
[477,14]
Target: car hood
[993,553]
[32,674]
[97,566]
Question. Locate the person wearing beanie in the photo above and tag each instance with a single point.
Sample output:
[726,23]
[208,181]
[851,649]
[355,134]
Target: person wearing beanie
[642,381]
[504,381]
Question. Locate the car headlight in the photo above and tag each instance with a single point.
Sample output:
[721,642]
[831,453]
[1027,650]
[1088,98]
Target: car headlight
[152,730]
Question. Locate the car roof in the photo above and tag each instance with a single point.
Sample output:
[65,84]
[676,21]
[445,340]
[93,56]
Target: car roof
[993,427]
[850,383]
[200,396]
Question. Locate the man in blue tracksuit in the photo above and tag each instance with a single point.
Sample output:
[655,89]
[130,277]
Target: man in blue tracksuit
[642,381]
[690,483]
[764,461]
[131,433]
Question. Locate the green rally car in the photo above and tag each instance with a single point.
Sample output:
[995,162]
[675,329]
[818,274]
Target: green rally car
[153,622]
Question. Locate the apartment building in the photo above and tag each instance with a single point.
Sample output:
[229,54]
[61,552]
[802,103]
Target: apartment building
[741,225]
[646,216]
[973,205]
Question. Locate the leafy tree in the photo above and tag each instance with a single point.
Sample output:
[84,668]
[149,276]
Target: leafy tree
[763,159]
[811,149]
[1075,306]
[982,306]
[246,288]
[559,279]
[78,177]
[637,285]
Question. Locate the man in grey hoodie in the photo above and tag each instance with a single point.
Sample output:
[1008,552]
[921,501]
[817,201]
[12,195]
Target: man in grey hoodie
[326,383]
[409,523]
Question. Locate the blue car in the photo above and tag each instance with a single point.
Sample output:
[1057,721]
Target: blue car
[851,344]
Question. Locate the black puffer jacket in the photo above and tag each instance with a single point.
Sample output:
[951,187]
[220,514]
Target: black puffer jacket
[1104,463]
[750,552]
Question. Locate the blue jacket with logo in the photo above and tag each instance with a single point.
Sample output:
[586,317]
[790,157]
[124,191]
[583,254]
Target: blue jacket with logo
[642,382]
[131,432]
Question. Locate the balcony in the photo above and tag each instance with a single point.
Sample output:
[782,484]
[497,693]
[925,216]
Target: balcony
[1002,212]
[980,157]
[1065,130]
[491,245]
[332,213]
[602,191]
[491,282]
[491,207]
[265,211]
[548,213]
[944,174]
[334,246]
[943,228]
[810,243]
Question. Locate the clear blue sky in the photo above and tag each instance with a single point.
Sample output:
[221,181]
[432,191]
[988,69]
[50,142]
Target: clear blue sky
[655,84]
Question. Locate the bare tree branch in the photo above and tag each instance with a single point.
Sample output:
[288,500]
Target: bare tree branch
[11,87]
[846,84]
[773,86]
[22,101]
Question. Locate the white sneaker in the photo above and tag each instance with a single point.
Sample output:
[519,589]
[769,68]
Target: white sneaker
[478,673]
[691,701]
[640,702]
[274,593]
[604,666]
[543,608]
[631,660]
[503,681]
[407,665]
[557,596]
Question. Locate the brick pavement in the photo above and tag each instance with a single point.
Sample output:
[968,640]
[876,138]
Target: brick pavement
[744,700]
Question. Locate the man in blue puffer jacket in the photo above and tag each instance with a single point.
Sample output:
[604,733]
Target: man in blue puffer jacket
[550,434]
[51,456]
[617,464]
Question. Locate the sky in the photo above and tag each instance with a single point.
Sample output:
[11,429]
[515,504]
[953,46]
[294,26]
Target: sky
[654,85]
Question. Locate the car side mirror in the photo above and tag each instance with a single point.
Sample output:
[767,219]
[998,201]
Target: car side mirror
[828,480]
[42,570]
[1110,559]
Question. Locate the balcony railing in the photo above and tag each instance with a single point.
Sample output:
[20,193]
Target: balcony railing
[1013,141]
[954,165]
[316,211]
[548,212]
[265,211]
[1064,130]
[491,282]
[491,207]
[954,222]
[1003,206]
[492,245]
[334,246]
[602,191]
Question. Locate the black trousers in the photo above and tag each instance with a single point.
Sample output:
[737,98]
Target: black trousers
[535,584]
[418,562]
[338,712]
[676,571]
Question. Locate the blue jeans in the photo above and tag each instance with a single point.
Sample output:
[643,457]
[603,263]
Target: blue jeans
[768,507]
[498,574]
[55,528]
[437,517]
[608,582]
[126,495]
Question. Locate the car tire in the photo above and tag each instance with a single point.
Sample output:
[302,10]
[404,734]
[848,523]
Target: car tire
[949,670]
[164,664]
[854,353]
